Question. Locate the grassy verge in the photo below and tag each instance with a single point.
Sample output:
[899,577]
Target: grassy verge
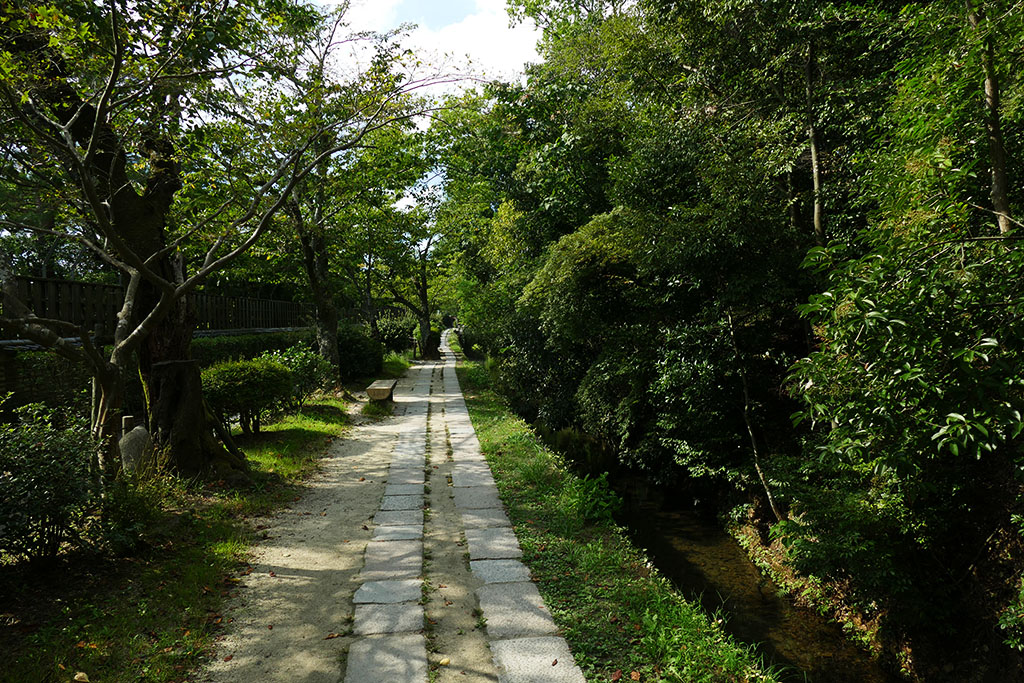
[622,619]
[154,616]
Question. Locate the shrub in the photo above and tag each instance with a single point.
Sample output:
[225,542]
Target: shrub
[396,331]
[359,354]
[310,371]
[247,389]
[44,482]
[210,350]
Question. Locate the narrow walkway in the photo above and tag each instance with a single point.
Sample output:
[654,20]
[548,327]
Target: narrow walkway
[400,559]
[520,633]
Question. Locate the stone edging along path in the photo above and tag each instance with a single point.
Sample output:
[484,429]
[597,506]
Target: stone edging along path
[440,562]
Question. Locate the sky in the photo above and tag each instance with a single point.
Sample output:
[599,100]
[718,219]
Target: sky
[457,28]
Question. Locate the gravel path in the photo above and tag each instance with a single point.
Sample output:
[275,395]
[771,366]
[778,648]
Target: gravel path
[399,559]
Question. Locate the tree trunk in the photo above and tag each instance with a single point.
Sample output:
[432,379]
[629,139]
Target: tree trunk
[181,426]
[107,408]
[812,136]
[749,422]
[993,125]
[314,259]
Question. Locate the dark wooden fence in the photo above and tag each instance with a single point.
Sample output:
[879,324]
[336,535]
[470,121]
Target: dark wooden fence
[95,306]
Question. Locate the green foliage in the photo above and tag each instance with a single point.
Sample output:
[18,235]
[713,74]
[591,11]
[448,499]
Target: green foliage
[310,371]
[360,354]
[396,331]
[44,482]
[601,589]
[210,350]
[247,389]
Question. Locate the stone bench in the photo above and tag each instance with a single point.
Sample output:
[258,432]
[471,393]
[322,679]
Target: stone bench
[381,390]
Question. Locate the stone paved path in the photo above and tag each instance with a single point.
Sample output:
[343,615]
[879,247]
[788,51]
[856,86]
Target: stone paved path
[399,558]
[436,437]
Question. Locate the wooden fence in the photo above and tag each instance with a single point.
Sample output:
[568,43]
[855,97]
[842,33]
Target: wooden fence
[95,307]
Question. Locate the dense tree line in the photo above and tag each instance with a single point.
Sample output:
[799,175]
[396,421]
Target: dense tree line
[768,250]
[168,146]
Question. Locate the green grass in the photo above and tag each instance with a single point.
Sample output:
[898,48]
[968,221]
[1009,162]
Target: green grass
[154,616]
[617,612]
[395,364]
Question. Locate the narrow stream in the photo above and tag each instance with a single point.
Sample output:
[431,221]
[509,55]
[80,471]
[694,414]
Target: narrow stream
[708,565]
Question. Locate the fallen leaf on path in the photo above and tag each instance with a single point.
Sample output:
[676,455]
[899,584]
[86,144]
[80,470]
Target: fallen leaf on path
[229,658]
[81,676]
[331,636]
[273,574]
[362,478]
[554,662]
[445,662]
[270,627]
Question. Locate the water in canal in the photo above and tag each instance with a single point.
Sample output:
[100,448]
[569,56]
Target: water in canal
[707,564]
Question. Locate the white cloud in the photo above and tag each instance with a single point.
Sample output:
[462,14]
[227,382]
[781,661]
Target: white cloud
[482,43]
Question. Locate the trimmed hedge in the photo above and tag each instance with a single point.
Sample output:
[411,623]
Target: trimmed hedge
[246,388]
[210,350]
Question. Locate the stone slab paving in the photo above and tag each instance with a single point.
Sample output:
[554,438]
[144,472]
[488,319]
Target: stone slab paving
[388,503]
[388,659]
[476,497]
[465,478]
[406,475]
[388,612]
[523,636]
[493,543]
[392,560]
[523,639]
[535,660]
[514,610]
[398,517]
[398,532]
[500,571]
[380,592]
[388,618]
[483,518]
[403,489]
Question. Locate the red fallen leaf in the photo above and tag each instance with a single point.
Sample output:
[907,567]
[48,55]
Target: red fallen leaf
[362,478]
[229,658]
[273,574]
[331,636]
[617,675]
[554,662]
[634,675]
[441,585]
[270,627]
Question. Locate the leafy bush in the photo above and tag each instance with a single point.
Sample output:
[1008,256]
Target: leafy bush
[310,371]
[396,331]
[247,389]
[44,482]
[210,350]
[360,355]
